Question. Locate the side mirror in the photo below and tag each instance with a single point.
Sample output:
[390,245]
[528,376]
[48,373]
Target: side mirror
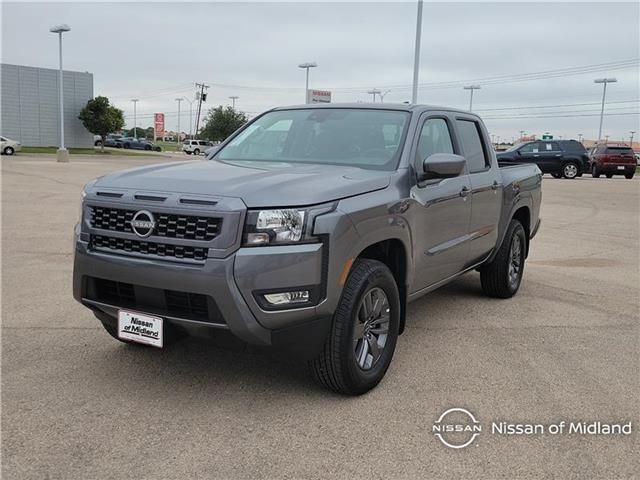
[518,152]
[442,165]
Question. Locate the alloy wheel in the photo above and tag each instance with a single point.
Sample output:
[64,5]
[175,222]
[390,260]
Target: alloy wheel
[570,170]
[515,261]
[371,328]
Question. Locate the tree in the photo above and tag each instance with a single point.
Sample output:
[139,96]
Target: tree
[222,122]
[140,132]
[101,118]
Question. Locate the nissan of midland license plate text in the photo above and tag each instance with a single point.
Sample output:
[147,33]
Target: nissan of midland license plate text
[140,328]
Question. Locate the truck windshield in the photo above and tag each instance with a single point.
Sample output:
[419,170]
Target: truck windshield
[364,138]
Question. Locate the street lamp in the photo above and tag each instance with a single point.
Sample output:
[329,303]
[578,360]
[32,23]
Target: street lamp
[580,137]
[62,154]
[135,118]
[472,88]
[374,92]
[416,55]
[190,116]
[604,93]
[631,138]
[233,101]
[606,139]
[307,66]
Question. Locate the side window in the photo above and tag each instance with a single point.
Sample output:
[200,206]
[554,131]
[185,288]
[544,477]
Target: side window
[472,145]
[551,147]
[434,138]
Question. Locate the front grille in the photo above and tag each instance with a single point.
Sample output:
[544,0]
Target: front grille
[188,305]
[189,227]
[149,248]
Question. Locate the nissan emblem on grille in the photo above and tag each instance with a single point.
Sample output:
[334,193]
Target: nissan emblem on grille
[143,223]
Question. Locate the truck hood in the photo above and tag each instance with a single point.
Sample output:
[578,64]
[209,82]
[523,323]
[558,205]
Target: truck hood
[258,184]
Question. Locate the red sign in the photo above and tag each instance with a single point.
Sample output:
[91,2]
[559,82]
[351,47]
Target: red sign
[158,124]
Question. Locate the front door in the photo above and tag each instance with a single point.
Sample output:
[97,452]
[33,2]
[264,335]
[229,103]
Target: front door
[442,219]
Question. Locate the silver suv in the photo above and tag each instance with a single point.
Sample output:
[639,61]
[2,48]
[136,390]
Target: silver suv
[195,146]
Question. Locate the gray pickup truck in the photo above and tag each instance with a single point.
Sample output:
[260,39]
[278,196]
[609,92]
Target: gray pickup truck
[310,229]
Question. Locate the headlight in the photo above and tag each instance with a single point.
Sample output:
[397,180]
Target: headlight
[281,227]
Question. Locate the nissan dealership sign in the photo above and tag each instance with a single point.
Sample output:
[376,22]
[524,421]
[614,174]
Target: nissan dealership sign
[318,96]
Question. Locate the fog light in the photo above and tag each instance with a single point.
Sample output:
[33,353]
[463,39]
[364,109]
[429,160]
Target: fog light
[287,298]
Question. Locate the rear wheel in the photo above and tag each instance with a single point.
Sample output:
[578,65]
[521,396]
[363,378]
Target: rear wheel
[629,176]
[502,277]
[570,170]
[196,151]
[609,175]
[595,172]
[360,346]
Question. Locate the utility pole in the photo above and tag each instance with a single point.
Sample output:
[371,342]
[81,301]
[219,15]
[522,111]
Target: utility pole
[233,101]
[202,97]
[416,55]
[472,88]
[604,93]
[135,118]
[374,92]
[631,138]
[178,134]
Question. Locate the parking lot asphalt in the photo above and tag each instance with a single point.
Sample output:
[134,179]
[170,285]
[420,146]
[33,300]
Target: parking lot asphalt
[78,404]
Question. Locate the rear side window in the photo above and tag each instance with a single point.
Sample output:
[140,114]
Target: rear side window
[472,145]
[572,146]
[434,138]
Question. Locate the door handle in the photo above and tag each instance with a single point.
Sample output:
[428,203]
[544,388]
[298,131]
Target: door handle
[464,192]
[494,185]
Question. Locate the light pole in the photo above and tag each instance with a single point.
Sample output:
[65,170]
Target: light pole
[416,55]
[383,94]
[580,137]
[62,154]
[307,66]
[233,101]
[631,138]
[606,139]
[604,93]
[522,132]
[472,88]
[190,116]
[374,92]
[135,118]
[178,134]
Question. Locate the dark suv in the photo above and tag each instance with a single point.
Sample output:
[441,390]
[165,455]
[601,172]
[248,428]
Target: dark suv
[560,158]
[613,160]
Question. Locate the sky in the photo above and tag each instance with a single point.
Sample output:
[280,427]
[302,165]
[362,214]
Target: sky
[157,51]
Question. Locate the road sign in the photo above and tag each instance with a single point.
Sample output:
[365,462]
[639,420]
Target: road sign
[547,136]
[318,96]
[158,124]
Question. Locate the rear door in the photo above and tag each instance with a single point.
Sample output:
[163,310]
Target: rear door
[442,221]
[486,188]
[550,157]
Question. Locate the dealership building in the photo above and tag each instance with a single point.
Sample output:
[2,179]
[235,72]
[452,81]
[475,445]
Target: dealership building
[30,107]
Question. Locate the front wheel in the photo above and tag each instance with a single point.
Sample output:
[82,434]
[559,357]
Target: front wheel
[502,277]
[595,173]
[196,152]
[570,170]
[8,150]
[360,346]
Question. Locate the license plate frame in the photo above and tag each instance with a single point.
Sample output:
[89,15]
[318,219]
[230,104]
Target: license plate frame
[141,328]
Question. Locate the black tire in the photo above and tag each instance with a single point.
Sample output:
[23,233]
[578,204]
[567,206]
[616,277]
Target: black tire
[629,176]
[158,149]
[556,175]
[8,150]
[126,145]
[570,170]
[196,151]
[495,277]
[609,175]
[595,173]
[147,147]
[337,367]
[188,153]
[97,143]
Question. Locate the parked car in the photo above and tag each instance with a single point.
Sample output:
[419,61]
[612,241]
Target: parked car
[560,158]
[314,243]
[195,146]
[113,140]
[613,160]
[8,146]
[139,144]
[637,158]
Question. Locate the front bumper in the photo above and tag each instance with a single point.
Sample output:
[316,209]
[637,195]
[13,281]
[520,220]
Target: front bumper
[231,283]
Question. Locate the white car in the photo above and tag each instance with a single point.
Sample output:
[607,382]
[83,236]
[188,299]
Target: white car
[195,146]
[8,146]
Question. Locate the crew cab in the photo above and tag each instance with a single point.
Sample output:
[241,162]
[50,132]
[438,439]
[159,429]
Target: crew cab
[310,229]
[610,160]
[560,158]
